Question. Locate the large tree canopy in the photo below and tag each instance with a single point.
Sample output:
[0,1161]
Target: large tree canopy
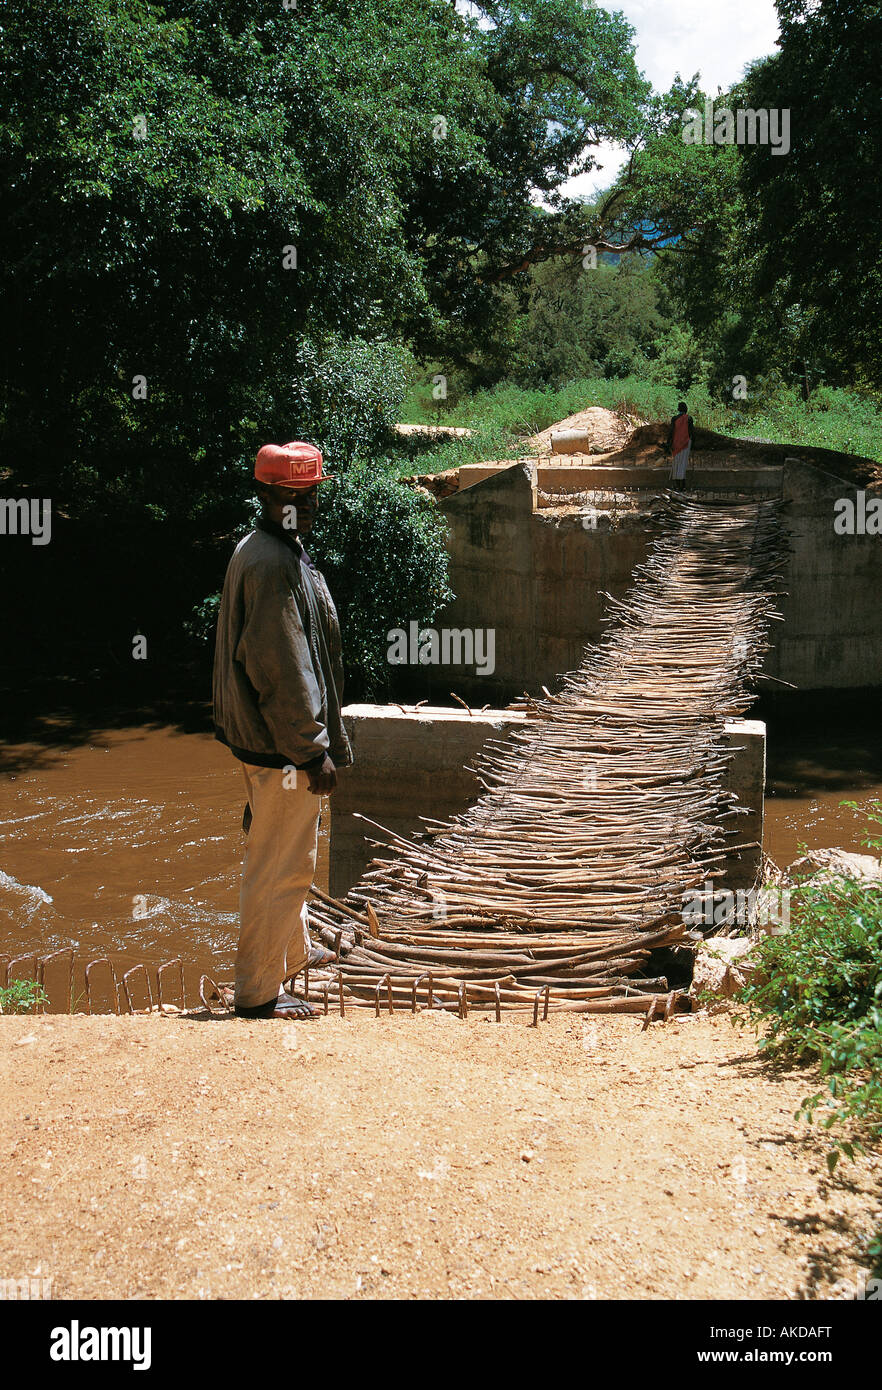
[781,271]
[815,214]
[158,160]
[228,221]
[224,219]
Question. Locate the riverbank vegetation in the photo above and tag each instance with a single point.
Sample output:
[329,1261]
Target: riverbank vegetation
[818,996]
[22,997]
[831,418]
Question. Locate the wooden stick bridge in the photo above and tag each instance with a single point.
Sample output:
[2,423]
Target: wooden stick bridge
[597,818]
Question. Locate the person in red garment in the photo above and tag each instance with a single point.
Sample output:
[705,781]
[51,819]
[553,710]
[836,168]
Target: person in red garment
[278,687]
[680,438]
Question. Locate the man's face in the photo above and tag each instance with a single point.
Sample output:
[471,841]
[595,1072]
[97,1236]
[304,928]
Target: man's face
[306,502]
[293,508]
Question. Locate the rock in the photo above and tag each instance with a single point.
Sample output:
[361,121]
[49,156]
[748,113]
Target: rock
[827,864]
[722,966]
[731,949]
[605,431]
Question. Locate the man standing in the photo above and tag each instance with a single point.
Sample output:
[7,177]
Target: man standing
[278,685]
[680,438]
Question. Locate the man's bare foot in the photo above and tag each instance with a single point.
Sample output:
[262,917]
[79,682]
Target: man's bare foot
[287,1007]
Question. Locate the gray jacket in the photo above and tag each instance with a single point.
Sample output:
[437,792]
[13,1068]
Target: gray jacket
[278,669]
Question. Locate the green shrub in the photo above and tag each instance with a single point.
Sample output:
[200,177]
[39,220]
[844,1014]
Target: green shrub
[21,997]
[820,997]
[346,396]
[383,549]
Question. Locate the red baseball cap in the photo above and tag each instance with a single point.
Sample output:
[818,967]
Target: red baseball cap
[294,465]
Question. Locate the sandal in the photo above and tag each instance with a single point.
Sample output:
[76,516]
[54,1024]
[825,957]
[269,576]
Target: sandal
[318,958]
[283,1007]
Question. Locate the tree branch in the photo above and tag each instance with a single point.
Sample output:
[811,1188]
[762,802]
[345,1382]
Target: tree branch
[542,251]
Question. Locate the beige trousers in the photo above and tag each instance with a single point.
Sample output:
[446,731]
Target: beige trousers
[278,870]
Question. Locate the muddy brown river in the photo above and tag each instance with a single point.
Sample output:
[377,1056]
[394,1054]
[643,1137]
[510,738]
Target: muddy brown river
[129,847]
[129,843]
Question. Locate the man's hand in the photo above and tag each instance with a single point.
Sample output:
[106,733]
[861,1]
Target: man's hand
[325,780]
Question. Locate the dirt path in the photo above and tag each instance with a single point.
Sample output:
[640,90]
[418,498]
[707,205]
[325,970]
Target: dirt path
[415,1158]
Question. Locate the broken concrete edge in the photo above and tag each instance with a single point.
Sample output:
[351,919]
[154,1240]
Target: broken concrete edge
[433,431]
[581,473]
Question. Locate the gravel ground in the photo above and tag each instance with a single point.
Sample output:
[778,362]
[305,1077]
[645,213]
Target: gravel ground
[417,1158]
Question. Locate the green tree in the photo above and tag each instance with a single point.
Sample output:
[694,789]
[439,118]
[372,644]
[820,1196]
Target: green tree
[679,360]
[781,273]
[155,182]
[815,212]
[586,320]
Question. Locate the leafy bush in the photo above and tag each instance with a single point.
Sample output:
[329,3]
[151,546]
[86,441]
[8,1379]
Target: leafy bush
[20,997]
[346,396]
[382,547]
[820,995]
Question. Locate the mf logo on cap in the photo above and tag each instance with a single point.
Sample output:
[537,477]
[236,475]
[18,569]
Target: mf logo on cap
[284,465]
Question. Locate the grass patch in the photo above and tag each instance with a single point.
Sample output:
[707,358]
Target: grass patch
[847,421]
[415,455]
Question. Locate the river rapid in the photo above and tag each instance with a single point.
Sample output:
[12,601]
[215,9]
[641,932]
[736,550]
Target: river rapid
[129,846]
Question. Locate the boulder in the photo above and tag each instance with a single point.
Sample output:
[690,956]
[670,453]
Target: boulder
[723,965]
[837,863]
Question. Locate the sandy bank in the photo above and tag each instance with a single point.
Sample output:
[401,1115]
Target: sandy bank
[428,1158]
